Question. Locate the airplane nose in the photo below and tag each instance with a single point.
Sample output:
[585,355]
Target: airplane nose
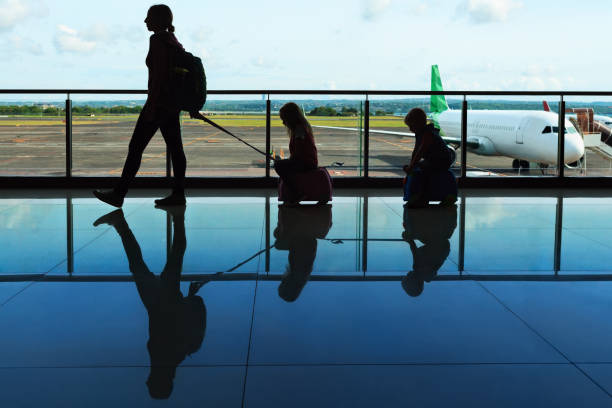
[574,147]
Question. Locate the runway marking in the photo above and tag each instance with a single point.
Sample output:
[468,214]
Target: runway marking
[157,156]
[391,143]
[12,159]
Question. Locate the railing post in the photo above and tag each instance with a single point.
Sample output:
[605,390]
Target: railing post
[558,234]
[68,136]
[364,248]
[462,235]
[366,142]
[464,107]
[69,234]
[561,139]
[267,233]
[268,125]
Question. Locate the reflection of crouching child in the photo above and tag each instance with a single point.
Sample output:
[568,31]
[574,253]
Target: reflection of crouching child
[301,147]
[430,152]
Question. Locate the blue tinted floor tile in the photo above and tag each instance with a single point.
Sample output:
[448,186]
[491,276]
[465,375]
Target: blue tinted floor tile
[76,324]
[10,289]
[600,373]
[121,387]
[422,386]
[574,316]
[378,322]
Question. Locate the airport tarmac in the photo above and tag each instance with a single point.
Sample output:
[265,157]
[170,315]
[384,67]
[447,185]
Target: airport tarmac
[37,148]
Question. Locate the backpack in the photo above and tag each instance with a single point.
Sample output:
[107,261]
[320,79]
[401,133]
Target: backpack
[188,81]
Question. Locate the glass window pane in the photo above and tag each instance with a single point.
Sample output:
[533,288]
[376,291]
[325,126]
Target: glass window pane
[591,117]
[32,135]
[337,123]
[102,126]
[507,136]
[212,153]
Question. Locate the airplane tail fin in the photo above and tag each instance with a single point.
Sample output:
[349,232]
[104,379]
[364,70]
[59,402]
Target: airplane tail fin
[546,107]
[437,103]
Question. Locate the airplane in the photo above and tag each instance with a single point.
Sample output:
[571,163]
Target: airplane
[525,136]
[585,120]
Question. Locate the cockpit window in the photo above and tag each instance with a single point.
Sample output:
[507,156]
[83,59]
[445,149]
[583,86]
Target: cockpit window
[555,129]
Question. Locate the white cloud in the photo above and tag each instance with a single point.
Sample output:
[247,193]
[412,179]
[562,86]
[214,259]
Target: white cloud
[27,45]
[97,32]
[201,34]
[331,85]
[419,9]
[13,12]
[66,30]
[374,8]
[68,40]
[488,11]
[262,62]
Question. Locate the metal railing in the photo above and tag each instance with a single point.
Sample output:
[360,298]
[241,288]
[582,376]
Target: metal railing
[559,180]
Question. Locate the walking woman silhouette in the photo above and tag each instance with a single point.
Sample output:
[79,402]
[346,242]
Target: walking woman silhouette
[160,111]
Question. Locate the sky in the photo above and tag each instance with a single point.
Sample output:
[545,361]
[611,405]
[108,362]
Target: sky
[316,44]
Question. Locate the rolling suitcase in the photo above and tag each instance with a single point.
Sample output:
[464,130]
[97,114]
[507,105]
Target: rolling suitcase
[441,186]
[314,185]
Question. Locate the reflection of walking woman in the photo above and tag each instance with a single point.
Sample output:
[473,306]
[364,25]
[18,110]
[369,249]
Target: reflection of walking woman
[160,111]
[177,323]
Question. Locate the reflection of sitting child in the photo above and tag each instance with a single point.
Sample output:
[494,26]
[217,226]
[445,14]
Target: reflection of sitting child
[433,227]
[430,152]
[426,261]
[301,148]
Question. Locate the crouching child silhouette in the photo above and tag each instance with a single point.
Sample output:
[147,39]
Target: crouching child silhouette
[302,149]
[430,154]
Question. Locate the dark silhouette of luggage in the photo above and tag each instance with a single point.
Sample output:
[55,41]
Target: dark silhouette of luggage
[441,185]
[313,185]
[188,81]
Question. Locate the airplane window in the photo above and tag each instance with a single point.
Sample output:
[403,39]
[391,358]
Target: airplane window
[555,129]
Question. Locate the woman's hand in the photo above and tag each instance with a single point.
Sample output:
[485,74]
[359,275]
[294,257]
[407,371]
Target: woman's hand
[408,169]
[196,115]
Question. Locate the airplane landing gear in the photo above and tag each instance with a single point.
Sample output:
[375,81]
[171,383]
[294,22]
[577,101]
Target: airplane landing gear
[520,164]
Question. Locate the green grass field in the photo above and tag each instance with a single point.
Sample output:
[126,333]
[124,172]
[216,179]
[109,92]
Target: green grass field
[223,120]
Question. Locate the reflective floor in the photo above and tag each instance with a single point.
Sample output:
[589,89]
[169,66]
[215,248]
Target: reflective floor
[504,300]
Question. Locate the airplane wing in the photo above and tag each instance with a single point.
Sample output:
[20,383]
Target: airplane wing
[473,143]
[385,132]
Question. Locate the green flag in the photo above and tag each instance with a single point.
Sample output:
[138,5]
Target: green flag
[437,103]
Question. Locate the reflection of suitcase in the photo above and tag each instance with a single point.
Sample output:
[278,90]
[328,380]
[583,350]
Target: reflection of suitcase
[442,185]
[302,222]
[430,224]
[314,185]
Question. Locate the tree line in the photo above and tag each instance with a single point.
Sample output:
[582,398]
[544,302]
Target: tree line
[85,110]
